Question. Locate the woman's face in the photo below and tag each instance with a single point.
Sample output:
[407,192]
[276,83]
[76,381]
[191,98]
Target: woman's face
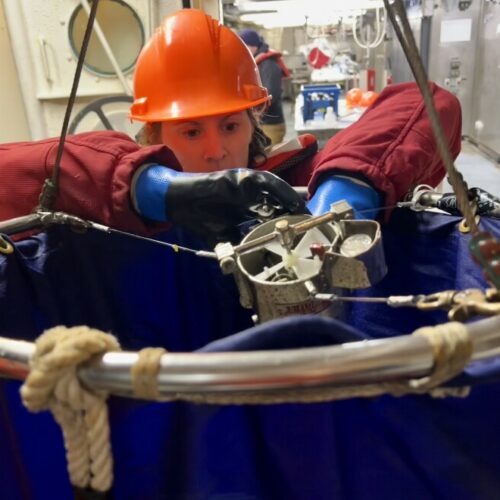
[210,144]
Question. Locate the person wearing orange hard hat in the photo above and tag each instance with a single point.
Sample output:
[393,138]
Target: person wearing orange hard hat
[202,96]
[203,163]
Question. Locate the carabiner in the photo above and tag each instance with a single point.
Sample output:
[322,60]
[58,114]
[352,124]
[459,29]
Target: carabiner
[439,300]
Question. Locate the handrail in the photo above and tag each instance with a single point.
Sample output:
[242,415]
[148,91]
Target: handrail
[363,362]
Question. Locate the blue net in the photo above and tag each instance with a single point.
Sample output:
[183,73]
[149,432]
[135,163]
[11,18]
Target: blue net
[412,447]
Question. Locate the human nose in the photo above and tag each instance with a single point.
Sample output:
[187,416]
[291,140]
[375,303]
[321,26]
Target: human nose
[214,146]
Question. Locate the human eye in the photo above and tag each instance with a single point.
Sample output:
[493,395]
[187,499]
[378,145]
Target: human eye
[231,126]
[191,133]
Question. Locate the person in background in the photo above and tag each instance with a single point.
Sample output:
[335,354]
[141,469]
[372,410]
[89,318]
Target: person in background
[205,165]
[272,70]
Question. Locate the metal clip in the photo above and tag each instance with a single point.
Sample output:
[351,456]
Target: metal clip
[5,246]
[420,193]
[463,305]
[439,300]
[266,208]
[474,302]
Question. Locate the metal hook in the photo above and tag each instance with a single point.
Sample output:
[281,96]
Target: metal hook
[5,246]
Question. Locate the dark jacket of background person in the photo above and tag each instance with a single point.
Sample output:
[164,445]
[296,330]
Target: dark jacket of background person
[271,75]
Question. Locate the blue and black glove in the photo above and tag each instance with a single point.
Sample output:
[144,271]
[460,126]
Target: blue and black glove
[211,205]
[364,200]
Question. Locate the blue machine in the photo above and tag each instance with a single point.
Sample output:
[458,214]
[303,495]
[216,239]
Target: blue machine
[319,97]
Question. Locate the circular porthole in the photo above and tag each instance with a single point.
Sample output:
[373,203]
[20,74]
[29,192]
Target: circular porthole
[122,29]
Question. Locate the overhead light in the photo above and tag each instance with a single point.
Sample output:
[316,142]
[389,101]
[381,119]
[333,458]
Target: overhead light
[259,12]
[289,19]
[334,6]
[295,12]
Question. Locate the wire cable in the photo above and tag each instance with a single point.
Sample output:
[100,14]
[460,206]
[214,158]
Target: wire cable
[51,185]
[409,46]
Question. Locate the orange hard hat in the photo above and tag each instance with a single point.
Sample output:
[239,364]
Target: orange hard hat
[194,67]
[368,98]
[353,97]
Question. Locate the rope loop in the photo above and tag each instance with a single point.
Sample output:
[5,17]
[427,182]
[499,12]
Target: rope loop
[144,373]
[452,348]
[53,384]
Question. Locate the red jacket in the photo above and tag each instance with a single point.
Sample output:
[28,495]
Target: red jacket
[279,59]
[391,147]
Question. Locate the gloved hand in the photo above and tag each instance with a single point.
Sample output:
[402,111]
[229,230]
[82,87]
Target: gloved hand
[364,200]
[210,204]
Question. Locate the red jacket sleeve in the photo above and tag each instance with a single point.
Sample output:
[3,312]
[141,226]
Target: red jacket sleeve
[94,181]
[392,145]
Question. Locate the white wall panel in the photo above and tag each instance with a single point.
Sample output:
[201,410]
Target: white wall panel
[452,57]
[46,61]
[486,111]
[11,100]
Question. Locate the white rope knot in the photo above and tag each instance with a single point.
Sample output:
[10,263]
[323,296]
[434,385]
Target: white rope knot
[83,415]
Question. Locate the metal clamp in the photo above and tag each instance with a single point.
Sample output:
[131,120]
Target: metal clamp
[49,218]
[463,305]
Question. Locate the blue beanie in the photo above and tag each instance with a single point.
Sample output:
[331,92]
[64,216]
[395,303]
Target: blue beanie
[251,37]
